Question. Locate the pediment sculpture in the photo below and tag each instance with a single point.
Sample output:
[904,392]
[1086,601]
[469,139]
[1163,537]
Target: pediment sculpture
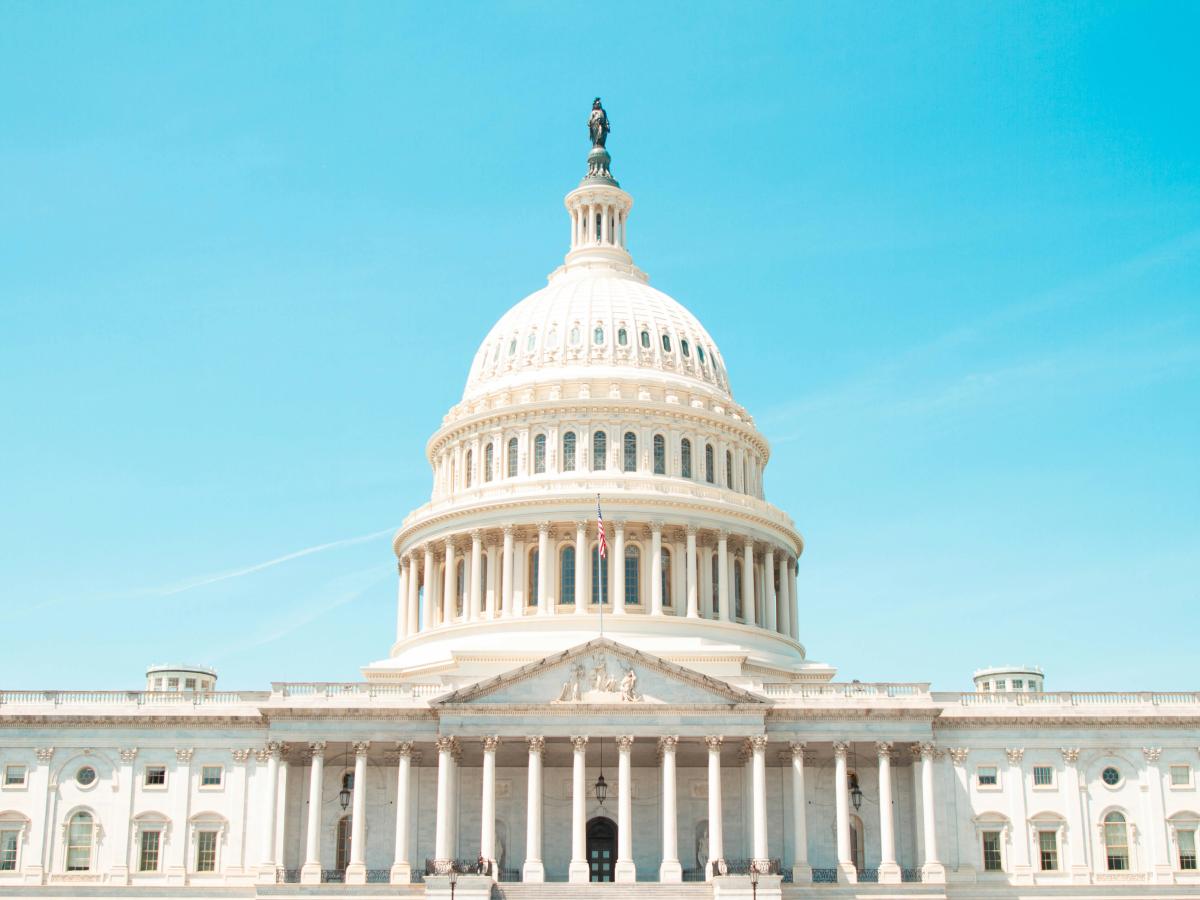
[599,685]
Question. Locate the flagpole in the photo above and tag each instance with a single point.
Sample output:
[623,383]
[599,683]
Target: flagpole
[601,564]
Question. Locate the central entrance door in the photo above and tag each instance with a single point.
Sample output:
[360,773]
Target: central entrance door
[601,848]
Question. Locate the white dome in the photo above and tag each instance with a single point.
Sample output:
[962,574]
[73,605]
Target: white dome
[597,322]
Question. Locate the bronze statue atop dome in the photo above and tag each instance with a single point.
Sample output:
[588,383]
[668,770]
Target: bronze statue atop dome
[598,127]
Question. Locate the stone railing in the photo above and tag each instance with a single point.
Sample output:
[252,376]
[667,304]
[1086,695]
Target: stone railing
[1075,698]
[130,698]
[354,690]
[853,690]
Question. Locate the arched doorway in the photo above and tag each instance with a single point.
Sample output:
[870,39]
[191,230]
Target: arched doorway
[601,848]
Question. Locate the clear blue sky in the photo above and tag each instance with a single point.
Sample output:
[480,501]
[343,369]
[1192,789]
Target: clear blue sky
[951,253]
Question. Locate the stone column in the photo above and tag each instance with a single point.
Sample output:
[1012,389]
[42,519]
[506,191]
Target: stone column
[793,599]
[401,864]
[769,598]
[427,589]
[579,872]
[534,870]
[716,840]
[441,840]
[356,872]
[1077,832]
[656,597]
[693,601]
[889,870]
[785,611]
[450,585]
[414,600]
[455,776]
[310,872]
[487,806]
[544,600]
[1161,867]
[841,792]
[723,592]
[670,871]
[749,608]
[932,870]
[491,587]
[510,608]
[801,870]
[758,747]
[1022,870]
[618,589]
[626,869]
[266,871]
[402,601]
[473,604]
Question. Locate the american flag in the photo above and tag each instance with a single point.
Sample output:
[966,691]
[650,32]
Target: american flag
[600,529]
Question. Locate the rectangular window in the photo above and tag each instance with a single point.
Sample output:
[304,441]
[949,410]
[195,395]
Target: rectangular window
[992,861]
[988,776]
[148,854]
[8,851]
[189,684]
[158,684]
[156,776]
[1000,684]
[1181,776]
[206,851]
[1187,849]
[172,684]
[1043,776]
[14,775]
[210,776]
[1018,684]
[1048,850]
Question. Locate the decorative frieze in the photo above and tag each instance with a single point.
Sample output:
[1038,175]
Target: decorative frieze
[184,755]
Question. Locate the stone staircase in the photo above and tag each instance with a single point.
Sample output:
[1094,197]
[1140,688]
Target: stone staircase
[640,891]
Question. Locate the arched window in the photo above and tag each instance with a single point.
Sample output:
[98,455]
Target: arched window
[729,469]
[569,452]
[575,336]
[633,581]
[1116,842]
[530,342]
[342,859]
[622,337]
[737,589]
[716,585]
[539,454]
[512,457]
[489,457]
[660,455]
[566,576]
[80,834]
[599,451]
[685,458]
[512,347]
[598,335]
[708,463]
[646,339]
[599,578]
[460,579]
[700,352]
[684,349]
[666,338]
[630,455]
[666,577]
[468,466]
[531,586]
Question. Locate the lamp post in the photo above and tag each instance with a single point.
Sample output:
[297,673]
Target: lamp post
[754,878]
[453,876]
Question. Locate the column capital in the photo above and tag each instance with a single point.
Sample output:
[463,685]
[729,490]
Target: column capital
[128,754]
[958,755]
[543,528]
[925,750]
[477,535]
[758,742]
[840,749]
[1015,755]
[316,749]
[797,748]
[444,744]
[404,749]
[618,526]
[1152,753]
[241,754]
[44,754]
[579,741]
[361,748]
[625,743]
[883,749]
[581,525]
[1070,754]
[667,743]
[723,534]
[714,741]
[656,526]
[508,530]
[749,543]
[537,744]
[449,542]
[691,530]
[490,743]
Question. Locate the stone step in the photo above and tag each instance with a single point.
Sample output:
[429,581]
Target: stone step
[638,891]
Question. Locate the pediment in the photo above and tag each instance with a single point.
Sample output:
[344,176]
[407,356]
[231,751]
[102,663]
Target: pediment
[600,673]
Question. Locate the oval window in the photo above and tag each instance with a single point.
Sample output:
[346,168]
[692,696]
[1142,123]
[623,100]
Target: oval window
[598,335]
[683,346]
[666,343]
[700,352]
[512,347]
[646,339]
[1111,776]
[623,337]
[575,336]
[86,776]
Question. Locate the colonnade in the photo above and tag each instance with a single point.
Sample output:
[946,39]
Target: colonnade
[699,573]
[598,223]
[753,749]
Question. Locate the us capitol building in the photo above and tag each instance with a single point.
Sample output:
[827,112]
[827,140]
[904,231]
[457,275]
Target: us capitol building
[549,717]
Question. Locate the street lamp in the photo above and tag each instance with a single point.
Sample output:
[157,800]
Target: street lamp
[601,788]
[344,798]
[754,878]
[453,876]
[856,794]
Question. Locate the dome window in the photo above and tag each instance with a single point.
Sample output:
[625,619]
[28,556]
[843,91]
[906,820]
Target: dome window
[539,454]
[531,595]
[512,347]
[599,449]
[666,343]
[700,352]
[646,339]
[630,448]
[569,452]
[708,463]
[683,346]
[566,576]
[575,336]
[489,456]
[530,342]
[622,337]
[467,468]
[685,458]
[633,576]
[512,457]
[660,455]
[598,335]
[729,469]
